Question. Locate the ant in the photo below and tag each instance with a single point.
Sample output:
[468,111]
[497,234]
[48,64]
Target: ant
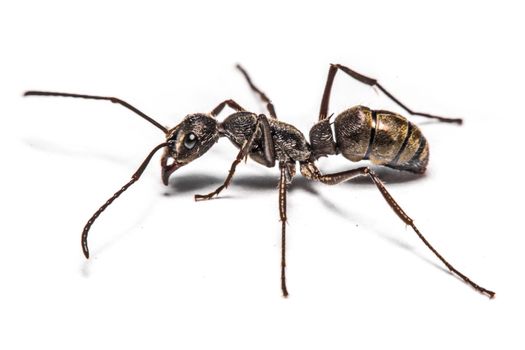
[383,137]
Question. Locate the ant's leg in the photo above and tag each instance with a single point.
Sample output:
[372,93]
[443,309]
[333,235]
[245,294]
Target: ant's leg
[282,214]
[310,171]
[230,103]
[262,126]
[91,97]
[323,112]
[262,95]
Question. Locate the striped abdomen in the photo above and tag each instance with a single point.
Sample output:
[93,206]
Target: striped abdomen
[383,137]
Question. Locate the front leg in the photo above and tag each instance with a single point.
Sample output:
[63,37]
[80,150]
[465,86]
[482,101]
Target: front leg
[262,126]
[230,103]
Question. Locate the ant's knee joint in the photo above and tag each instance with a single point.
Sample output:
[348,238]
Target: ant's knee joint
[309,170]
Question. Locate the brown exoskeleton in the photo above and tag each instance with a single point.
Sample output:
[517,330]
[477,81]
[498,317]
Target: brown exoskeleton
[383,137]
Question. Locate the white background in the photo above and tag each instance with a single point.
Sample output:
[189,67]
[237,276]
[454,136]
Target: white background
[169,273]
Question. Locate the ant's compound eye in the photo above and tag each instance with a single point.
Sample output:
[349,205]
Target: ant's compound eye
[190,140]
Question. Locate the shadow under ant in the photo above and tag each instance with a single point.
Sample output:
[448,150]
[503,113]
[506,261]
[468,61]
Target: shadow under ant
[197,183]
[194,183]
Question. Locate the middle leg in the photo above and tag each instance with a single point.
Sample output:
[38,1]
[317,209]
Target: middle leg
[282,213]
[262,95]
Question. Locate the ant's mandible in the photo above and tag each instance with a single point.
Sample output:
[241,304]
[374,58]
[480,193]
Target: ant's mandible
[383,137]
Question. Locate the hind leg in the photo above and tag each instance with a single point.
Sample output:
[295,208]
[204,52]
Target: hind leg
[310,171]
[323,112]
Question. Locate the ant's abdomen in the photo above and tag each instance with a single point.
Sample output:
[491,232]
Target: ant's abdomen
[383,137]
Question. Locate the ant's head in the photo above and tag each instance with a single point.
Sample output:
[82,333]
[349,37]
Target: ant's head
[187,141]
[184,143]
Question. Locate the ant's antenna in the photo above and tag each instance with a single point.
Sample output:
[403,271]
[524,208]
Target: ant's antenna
[134,178]
[112,99]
